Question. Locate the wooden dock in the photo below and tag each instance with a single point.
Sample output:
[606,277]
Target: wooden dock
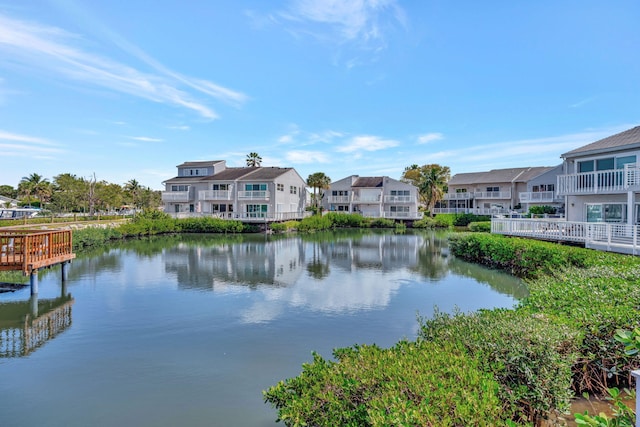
[29,250]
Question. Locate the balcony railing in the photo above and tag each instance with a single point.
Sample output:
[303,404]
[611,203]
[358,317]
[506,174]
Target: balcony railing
[215,195]
[609,181]
[538,197]
[403,215]
[176,196]
[492,194]
[253,195]
[458,196]
[339,199]
[367,199]
[398,199]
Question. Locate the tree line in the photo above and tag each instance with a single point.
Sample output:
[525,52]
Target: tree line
[70,193]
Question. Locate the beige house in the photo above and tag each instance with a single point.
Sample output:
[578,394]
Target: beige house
[501,191]
[375,197]
[210,188]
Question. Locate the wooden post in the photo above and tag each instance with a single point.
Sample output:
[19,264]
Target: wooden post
[65,271]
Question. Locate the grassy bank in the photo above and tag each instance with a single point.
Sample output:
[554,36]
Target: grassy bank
[555,344]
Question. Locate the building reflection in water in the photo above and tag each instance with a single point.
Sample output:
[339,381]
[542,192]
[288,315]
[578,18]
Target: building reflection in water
[25,326]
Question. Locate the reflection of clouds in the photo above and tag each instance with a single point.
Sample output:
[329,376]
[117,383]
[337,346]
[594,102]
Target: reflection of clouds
[358,291]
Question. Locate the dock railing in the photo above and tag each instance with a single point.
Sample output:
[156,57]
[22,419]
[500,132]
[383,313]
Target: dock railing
[27,250]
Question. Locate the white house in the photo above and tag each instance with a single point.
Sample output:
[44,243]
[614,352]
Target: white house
[601,180]
[245,193]
[375,197]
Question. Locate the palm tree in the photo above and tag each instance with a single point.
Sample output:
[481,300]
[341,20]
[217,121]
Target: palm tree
[133,187]
[318,181]
[254,160]
[431,181]
[34,184]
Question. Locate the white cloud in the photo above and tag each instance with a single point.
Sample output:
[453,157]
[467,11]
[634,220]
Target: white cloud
[145,139]
[8,136]
[367,143]
[302,156]
[54,50]
[360,24]
[180,127]
[430,137]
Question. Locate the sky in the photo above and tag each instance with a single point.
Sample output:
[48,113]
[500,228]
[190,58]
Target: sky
[125,90]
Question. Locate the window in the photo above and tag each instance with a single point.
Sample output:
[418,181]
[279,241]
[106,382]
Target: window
[493,189]
[256,211]
[461,190]
[611,212]
[220,187]
[543,187]
[280,187]
[399,192]
[399,209]
[293,190]
[179,188]
[255,187]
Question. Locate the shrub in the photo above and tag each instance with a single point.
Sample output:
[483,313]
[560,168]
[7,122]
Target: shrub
[345,220]
[541,210]
[94,236]
[382,223]
[209,225]
[483,226]
[529,356]
[314,223]
[462,220]
[412,383]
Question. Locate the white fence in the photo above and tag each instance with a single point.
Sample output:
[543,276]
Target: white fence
[611,237]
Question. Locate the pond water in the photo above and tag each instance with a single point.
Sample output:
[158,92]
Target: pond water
[188,330]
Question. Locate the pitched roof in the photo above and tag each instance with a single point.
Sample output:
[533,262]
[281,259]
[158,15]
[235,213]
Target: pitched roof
[199,164]
[499,175]
[263,173]
[229,174]
[628,139]
[368,182]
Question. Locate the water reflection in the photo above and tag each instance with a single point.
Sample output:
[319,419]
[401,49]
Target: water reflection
[26,326]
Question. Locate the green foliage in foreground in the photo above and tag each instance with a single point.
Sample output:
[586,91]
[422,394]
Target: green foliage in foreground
[563,339]
[412,383]
[438,221]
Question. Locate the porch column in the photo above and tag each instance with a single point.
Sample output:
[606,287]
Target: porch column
[630,206]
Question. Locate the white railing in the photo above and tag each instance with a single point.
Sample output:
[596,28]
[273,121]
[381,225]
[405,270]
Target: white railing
[403,215]
[611,237]
[609,181]
[398,199]
[367,199]
[538,197]
[492,194]
[451,210]
[255,195]
[458,196]
[339,199]
[245,216]
[176,196]
[215,195]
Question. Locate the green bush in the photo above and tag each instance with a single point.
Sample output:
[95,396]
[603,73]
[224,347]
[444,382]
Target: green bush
[529,356]
[94,236]
[314,223]
[483,227]
[382,223]
[410,384]
[462,220]
[346,220]
[541,210]
[520,257]
[209,225]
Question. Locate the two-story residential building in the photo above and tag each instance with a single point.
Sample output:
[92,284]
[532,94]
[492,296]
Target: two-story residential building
[245,193]
[601,180]
[375,197]
[500,191]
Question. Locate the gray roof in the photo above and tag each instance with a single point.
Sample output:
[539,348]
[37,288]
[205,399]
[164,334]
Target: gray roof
[499,175]
[368,182]
[199,164]
[263,173]
[230,174]
[628,139]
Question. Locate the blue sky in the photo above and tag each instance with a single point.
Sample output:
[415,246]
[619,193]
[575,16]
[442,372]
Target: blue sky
[130,89]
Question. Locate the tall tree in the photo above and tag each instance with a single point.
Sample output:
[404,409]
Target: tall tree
[431,181]
[254,160]
[318,181]
[69,191]
[134,188]
[34,185]
[8,191]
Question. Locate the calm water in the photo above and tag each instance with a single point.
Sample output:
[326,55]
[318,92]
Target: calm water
[188,331]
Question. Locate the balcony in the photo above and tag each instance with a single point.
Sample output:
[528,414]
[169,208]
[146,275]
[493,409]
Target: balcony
[398,199]
[214,195]
[458,196]
[367,198]
[253,195]
[492,194]
[600,182]
[339,199]
[539,197]
[176,196]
